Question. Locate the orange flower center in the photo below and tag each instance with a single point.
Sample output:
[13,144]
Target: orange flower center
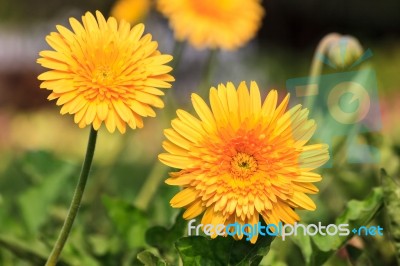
[103,76]
[102,85]
[243,165]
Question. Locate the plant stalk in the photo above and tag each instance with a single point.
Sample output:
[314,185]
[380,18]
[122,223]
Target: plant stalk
[76,201]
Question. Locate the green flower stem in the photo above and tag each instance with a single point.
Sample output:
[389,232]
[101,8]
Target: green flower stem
[172,104]
[317,63]
[179,47]
[159,171]
[149,188]
[76,201]
[208,72]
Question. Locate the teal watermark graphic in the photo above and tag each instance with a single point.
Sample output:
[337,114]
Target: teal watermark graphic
[344,105]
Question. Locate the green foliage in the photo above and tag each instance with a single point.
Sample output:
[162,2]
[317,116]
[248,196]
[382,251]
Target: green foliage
[199,250]
[318,249]
[36,256]
[37,179]
[162,238]
[392,202]
[119,233]
[52,176]
[130,222]
[42,178]
[149,259]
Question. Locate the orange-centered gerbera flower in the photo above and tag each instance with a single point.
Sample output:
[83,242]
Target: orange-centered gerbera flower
[226,24]
[105,72]
[242,159]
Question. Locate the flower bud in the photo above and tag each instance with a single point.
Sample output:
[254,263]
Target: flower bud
[344,51]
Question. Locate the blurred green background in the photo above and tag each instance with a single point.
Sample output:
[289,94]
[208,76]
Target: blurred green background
[41,151]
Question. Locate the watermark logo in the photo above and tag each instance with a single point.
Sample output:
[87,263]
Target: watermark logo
[344,104]
[282,230]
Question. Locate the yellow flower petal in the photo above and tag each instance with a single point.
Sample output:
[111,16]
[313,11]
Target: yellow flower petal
[193,210]
[183,198]
[175,161]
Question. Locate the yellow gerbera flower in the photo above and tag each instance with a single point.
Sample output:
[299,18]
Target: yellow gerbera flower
[105,72]
[132,11]
[243,159]
[226,24]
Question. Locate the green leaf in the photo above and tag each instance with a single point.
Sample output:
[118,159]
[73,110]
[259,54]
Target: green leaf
[130,222]
[161,237]
[304,243]
[392,202]
[52,176]
[199,250]
[149,259]
[357,213]
[101,245]
[41,164]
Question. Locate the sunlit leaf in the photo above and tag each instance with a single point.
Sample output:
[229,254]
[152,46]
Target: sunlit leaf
[149,259]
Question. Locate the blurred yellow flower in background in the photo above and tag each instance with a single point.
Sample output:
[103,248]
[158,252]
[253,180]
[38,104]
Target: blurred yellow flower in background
[242,159]
[105,72]
[226,24]
[132,11]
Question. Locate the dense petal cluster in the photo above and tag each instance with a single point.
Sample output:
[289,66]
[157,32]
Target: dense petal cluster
[102,71]
[243,160]
[226,24]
